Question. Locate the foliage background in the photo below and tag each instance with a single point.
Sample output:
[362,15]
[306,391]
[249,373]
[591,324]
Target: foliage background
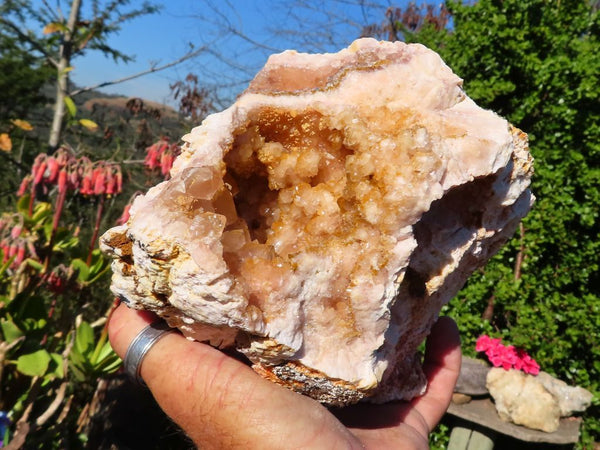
[535,62]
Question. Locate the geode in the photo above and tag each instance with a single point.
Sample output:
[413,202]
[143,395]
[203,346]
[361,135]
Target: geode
[320,223]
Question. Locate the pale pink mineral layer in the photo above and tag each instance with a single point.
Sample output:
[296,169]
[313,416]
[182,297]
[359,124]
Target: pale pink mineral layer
[320,223]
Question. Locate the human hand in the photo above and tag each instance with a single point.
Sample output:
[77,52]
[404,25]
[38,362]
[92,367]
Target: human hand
[222,403]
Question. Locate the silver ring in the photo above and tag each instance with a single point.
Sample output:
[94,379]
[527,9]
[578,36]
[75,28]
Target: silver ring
[140,346]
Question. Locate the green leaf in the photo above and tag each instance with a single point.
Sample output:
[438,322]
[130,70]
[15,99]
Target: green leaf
[65,244]
[108,365]
[105,352]
[97,276]
[23,205]
[99,266]
[35,264]
[76,371]
[10,331]
[70,104]
[41,211]
[48,228]
[29,313]
[83,271]
[34,364]
[6,265]
[56,365]
[84,339]
[97,261]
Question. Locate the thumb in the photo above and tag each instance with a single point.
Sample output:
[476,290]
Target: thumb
[220,402]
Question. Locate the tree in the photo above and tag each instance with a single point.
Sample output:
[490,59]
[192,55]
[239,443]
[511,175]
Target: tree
[65,38]
[21,79]
[536,62]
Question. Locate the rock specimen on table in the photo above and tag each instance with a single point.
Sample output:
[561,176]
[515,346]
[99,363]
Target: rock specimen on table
[319,224]
[536,402]
[472,377]
[571,399]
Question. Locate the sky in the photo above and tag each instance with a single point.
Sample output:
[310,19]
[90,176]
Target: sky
[154,39]
[164,37]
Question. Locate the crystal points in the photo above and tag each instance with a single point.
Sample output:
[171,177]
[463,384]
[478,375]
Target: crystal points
[319,224]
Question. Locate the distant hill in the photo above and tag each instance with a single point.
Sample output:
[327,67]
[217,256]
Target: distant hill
[122,122]
[120,103]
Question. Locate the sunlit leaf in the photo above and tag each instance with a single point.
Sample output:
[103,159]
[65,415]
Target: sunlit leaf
[41,211]
[5,143]
[22,124]
[105,352]
[54,27]
[71,106]
[83,271]
[34,364]
[10,331]
[35,264]
[89,124]
[84,339]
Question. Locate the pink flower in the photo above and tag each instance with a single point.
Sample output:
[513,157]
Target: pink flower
[53,168]
[161,155]
[86,184]
[20,255]
[62,180]
[16,231]
[24,185]
[507,357]
[483,343]
[39,174]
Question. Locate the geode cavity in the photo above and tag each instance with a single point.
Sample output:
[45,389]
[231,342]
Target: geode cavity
[319,224]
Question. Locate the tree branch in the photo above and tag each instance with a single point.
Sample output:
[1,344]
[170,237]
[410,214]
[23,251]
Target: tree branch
[58,399]
[521,254]
[140,74]
[28,39]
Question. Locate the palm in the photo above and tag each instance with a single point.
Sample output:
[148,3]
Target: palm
[221,403]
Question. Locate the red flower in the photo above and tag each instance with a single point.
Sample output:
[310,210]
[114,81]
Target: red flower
[56,282]
[24,185]
[507,357]
[119,178]
[39,174]
[152,155]
[16,231]
[20,255]
[53,168]
[166,162]
[110,183]
[86,184]
[62,180]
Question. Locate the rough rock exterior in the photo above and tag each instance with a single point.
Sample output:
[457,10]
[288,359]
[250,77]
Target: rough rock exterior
[522,399]
[320,223]
[571,399]
[536,402]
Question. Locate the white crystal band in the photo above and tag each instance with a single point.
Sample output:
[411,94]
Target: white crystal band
[140,346]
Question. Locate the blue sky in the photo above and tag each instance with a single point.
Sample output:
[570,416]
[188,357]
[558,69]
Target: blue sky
[165,36]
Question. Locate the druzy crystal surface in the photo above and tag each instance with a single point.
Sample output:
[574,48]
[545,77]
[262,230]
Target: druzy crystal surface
[319,224]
